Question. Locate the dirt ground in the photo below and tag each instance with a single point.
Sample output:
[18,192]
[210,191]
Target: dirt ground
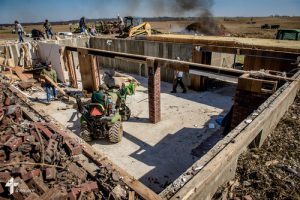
[234,26]
[273,171]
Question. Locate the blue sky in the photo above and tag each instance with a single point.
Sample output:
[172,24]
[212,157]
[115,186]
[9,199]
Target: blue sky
[57,10]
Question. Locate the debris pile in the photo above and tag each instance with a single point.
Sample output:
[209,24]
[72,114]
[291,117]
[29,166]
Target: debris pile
[270,172]
[39,160]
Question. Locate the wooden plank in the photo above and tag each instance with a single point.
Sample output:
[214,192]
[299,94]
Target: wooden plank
[55,85]
[131,195]
[248,51]
[19,72]
[226,152]
[85,70]
[95,73]
[202,67]
[253,43]
[71,69]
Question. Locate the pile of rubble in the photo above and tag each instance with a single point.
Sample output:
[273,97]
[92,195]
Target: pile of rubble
[39,161]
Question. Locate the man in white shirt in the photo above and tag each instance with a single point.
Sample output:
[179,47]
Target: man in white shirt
[178,80]
[121,25]
[19,30]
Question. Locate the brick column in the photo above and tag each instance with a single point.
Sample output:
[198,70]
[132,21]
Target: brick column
[154,91]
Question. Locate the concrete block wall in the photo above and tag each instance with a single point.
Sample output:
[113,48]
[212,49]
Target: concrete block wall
[148,48]
[49,52]
[14,51]
[151,48]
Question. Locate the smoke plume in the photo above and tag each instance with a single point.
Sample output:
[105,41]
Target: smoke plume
[205,23]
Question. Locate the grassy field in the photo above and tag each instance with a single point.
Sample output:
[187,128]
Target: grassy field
[234,26]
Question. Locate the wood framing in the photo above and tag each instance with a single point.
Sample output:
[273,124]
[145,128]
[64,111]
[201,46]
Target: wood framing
[198,83]
[69,63]
[236,42]
[88,71]
[219,164]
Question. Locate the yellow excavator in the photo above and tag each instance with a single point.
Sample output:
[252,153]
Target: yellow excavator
[131,31]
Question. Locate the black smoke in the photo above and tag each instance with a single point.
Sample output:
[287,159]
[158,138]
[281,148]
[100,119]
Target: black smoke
[204,23]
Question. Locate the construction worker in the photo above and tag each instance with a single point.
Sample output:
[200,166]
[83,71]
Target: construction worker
[93,31]
[82,25]
[70,27]
[50,73]
[121,25]
[48,29]
[178,75]
[19,30]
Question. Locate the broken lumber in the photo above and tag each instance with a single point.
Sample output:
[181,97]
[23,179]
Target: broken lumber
[55,85]
[19,73]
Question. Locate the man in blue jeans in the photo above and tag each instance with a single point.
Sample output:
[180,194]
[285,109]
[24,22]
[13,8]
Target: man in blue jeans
[48,29]
[19,30]
[82,25]
[51,73]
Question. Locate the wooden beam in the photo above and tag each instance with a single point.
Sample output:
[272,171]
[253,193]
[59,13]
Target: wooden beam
[55,85]
[19,72]
[85,70]
[131,195]
[277,55]
[252,43]
[195,66]
[68,58]
[95,73]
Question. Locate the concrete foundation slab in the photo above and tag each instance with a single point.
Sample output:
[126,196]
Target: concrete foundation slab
[157,154]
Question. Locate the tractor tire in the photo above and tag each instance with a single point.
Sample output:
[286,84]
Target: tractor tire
[85,134]
[127,113]
[115,133]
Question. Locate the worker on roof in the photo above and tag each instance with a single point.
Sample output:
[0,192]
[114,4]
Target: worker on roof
[93,31]
[50,73]
[19,30]
[82,25]
[48,29]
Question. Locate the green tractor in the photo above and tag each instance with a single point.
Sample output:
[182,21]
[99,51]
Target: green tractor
[102,118]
